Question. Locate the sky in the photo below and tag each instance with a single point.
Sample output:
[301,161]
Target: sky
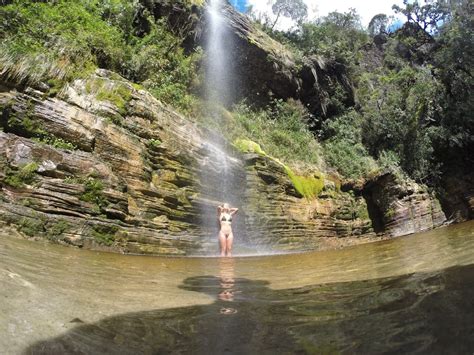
[318,8]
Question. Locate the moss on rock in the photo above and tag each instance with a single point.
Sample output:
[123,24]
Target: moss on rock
[307,186]
[248,146]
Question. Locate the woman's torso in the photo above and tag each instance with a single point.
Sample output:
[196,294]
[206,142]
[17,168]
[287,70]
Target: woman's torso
[225,220]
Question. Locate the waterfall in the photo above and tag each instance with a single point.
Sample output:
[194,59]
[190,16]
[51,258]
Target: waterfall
[223,175]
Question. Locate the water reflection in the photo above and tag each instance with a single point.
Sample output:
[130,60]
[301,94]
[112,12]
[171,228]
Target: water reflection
[425,312]
[227,284]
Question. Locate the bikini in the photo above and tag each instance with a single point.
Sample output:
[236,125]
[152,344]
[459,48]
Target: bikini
[226,218]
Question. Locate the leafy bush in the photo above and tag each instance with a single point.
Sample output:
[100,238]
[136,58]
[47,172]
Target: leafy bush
[343,148]
[93,193]
[399,114]
[56,40]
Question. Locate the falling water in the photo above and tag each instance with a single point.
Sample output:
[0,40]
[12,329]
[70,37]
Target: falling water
[223,175]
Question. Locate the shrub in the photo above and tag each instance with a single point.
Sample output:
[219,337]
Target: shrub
[93,193]
[343,146]
[24,175]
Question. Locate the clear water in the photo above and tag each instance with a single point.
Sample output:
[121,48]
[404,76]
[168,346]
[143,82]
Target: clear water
[411,294]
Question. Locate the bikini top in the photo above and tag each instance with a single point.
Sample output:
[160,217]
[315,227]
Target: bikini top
[226,217]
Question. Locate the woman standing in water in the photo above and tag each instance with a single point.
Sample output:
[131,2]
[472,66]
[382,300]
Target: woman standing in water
[225,213]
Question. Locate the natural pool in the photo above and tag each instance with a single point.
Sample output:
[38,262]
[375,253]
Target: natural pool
[410,294]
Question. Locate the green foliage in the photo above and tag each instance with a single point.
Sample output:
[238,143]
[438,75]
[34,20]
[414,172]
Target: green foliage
[104,234]
[56,228]
[161,66]
[93,193]
[32,227]
[399,113]
[24,175]
[378,24]
[293,9]
[154,142]
[338,36]
[343,147]
[58,41]
[280,130]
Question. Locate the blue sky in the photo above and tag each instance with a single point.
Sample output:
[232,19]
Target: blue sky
[317,8]
[239,4]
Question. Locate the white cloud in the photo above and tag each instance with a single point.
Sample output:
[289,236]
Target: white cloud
[318,8]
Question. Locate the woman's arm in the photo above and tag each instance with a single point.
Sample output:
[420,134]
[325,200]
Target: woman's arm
[233,211]
[219,211]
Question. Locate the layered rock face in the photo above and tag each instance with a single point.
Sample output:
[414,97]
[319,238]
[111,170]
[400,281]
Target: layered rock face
[279,216]
[398,207]
[104,165]
[127,183]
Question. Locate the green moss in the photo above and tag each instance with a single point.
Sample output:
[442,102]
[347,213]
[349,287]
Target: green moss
[154,142]
[307,186]
[248,146]
[137,86]
[115,93]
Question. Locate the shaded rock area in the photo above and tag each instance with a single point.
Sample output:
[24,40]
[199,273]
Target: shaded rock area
[260,69]
[104,165]
[399,207]
[458,196]
[265,69]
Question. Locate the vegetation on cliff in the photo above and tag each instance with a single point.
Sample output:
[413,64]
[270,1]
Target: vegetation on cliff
[412,109]
[55,42]
[402,101]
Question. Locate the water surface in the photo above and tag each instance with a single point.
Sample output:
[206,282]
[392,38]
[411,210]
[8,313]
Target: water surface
[410,294]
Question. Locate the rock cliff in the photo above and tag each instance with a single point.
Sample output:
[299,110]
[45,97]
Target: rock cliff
[104,165]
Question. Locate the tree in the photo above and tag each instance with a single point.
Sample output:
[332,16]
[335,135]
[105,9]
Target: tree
[428,17]
[294,9]
[378,25]
[344,20]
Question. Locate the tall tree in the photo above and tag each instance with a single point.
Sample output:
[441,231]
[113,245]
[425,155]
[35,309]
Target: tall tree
[294,9]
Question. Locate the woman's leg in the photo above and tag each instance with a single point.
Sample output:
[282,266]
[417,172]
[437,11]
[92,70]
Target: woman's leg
[222,242]
[229,240]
